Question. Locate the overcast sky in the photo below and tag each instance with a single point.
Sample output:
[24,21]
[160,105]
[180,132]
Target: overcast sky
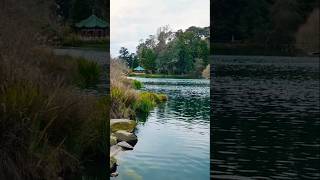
[132,20]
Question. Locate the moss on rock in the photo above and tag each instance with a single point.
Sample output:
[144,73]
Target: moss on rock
[122,124]
[113,139]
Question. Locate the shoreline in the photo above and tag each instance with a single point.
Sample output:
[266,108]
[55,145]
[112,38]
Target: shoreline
[266,55]
[122,129]
[165,76]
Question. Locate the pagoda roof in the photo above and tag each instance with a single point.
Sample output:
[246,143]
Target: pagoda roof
[139,68]
[92,22]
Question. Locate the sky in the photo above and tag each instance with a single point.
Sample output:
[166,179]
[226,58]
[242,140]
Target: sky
[133,20]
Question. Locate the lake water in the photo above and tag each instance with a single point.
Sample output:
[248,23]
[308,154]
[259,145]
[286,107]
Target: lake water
[265,119]
[173,142]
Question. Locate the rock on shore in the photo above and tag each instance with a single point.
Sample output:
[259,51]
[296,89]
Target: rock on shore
[126,136]
[122,124]
[121,138]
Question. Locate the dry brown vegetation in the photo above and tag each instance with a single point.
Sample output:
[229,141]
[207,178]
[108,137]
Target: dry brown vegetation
[122,94]
[47,124]
[206,72]
[308,35]
[126,102]
[49,128]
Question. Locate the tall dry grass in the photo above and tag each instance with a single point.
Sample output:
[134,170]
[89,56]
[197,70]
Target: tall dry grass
[206,72]
[308,35]
[121,93]
[47,126]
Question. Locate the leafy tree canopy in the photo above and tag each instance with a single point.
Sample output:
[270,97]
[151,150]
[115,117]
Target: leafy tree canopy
[182,52]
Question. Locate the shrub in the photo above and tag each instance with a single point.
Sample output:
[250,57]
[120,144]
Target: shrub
[88,73]
[125,101]
[137,84]
[145,103]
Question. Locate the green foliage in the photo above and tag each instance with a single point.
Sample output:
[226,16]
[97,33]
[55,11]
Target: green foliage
[89,73]
[137,84]
[172,52]
[127,103]
[161,98]
[266,24]
[145,103]
[80,10]
[130,58]
[76,10]
[122,99]
[148,59]
[73,40]
[162,76]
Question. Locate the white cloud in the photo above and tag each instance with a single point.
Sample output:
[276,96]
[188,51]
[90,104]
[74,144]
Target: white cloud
[132,20]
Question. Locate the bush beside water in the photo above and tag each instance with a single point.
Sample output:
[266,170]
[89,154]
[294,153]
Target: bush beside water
[126,102]
[137,84]
[89,73]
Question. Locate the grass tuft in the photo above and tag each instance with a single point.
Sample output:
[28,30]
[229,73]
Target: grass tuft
[144,103]
[127,103]
[137,84]
[88,73]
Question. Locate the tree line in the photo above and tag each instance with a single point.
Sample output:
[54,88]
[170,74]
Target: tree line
[167,52]
[73,11]
[270,23]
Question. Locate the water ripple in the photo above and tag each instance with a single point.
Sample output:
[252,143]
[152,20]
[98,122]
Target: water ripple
[265,118]
[174,141]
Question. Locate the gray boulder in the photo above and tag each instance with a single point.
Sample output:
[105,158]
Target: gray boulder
[114,150]
[126,136]
[125,145]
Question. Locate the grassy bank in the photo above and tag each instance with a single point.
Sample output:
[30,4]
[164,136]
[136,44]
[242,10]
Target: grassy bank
[126,101]
[253,49]
[50,128]
[127,104]
[74,41]
[163,76]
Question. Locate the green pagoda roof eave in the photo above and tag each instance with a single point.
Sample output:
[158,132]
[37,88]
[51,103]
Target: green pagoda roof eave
[139,68]
[92,22]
